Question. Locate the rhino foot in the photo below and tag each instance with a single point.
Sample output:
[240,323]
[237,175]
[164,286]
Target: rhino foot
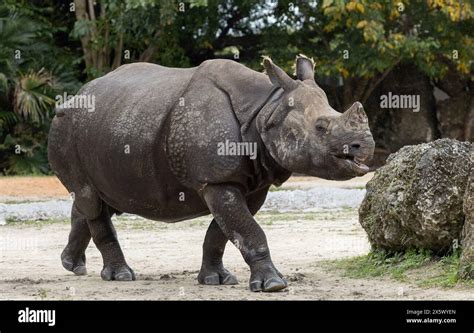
[77,266]
[120,272]
[216,277]
[267,280]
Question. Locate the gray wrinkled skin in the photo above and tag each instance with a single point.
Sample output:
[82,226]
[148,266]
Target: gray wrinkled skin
[150,148]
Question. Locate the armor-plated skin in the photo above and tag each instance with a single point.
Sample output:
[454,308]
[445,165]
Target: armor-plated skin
[150,147]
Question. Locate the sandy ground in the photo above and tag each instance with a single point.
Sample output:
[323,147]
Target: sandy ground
[167,257]
[31,188]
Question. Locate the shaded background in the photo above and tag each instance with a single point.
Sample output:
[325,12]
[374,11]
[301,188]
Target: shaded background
[363,49]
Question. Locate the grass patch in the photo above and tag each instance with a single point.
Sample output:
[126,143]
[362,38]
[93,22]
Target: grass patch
[14,221]
[418,266]
[340,212]
[43,293]
[139,223]
[271,217]
[274,188]
[29,175]
[360,187]
[14,202]
[11,220]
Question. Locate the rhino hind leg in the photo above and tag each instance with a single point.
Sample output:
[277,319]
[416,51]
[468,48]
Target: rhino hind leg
[73,256]
[105,238]
[212,270]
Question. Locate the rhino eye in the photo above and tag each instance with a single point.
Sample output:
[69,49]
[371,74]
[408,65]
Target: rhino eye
[322,126]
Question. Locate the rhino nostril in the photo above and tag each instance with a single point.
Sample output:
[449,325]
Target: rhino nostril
[355,145]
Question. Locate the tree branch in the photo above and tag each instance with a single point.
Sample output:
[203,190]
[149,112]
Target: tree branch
[230,23]
[374,84]
[147,55]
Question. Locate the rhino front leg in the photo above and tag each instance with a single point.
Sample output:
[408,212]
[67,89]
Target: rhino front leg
[212,270]
[73,256]
[229,208]
[105,238]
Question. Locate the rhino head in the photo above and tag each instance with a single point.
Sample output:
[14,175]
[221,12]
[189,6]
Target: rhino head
[304,134]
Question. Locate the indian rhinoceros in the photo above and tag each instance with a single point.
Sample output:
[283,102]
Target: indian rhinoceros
[150,146]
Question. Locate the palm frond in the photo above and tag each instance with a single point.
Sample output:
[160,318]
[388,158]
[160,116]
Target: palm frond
[31,101]
[7,118]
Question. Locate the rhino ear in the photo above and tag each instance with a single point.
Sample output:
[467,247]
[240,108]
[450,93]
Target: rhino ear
[304,68]
[278,75]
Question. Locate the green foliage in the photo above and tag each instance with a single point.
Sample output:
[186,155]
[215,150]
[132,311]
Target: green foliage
[30,78]
[25,154]
[7,119]
[357,43]
[377,35]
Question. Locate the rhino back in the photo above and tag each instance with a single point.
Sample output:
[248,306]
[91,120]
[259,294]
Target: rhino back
[119,145]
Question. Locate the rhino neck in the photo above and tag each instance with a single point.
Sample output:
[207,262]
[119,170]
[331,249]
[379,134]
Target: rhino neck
[266,169]
[264,105]
[247,90]
[250,94]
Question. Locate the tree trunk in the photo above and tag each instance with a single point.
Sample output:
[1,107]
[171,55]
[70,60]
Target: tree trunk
[149,52]
[81,14]
[118,53]
[469,124]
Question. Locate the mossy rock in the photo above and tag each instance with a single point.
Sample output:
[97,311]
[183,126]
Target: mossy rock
[466,266]
[416,199]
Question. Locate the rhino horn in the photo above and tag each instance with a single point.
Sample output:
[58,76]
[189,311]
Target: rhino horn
[355,116]
[277,75]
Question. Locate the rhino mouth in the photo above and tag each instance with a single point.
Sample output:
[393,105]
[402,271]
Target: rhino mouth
[355,163]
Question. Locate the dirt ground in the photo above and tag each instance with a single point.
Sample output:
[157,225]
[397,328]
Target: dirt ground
[31,188]
[167,257]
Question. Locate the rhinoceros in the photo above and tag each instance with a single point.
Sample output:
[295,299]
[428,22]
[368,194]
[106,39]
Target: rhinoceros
[152,145]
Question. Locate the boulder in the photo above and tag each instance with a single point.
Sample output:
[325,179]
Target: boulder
[416,199]
[466,266]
